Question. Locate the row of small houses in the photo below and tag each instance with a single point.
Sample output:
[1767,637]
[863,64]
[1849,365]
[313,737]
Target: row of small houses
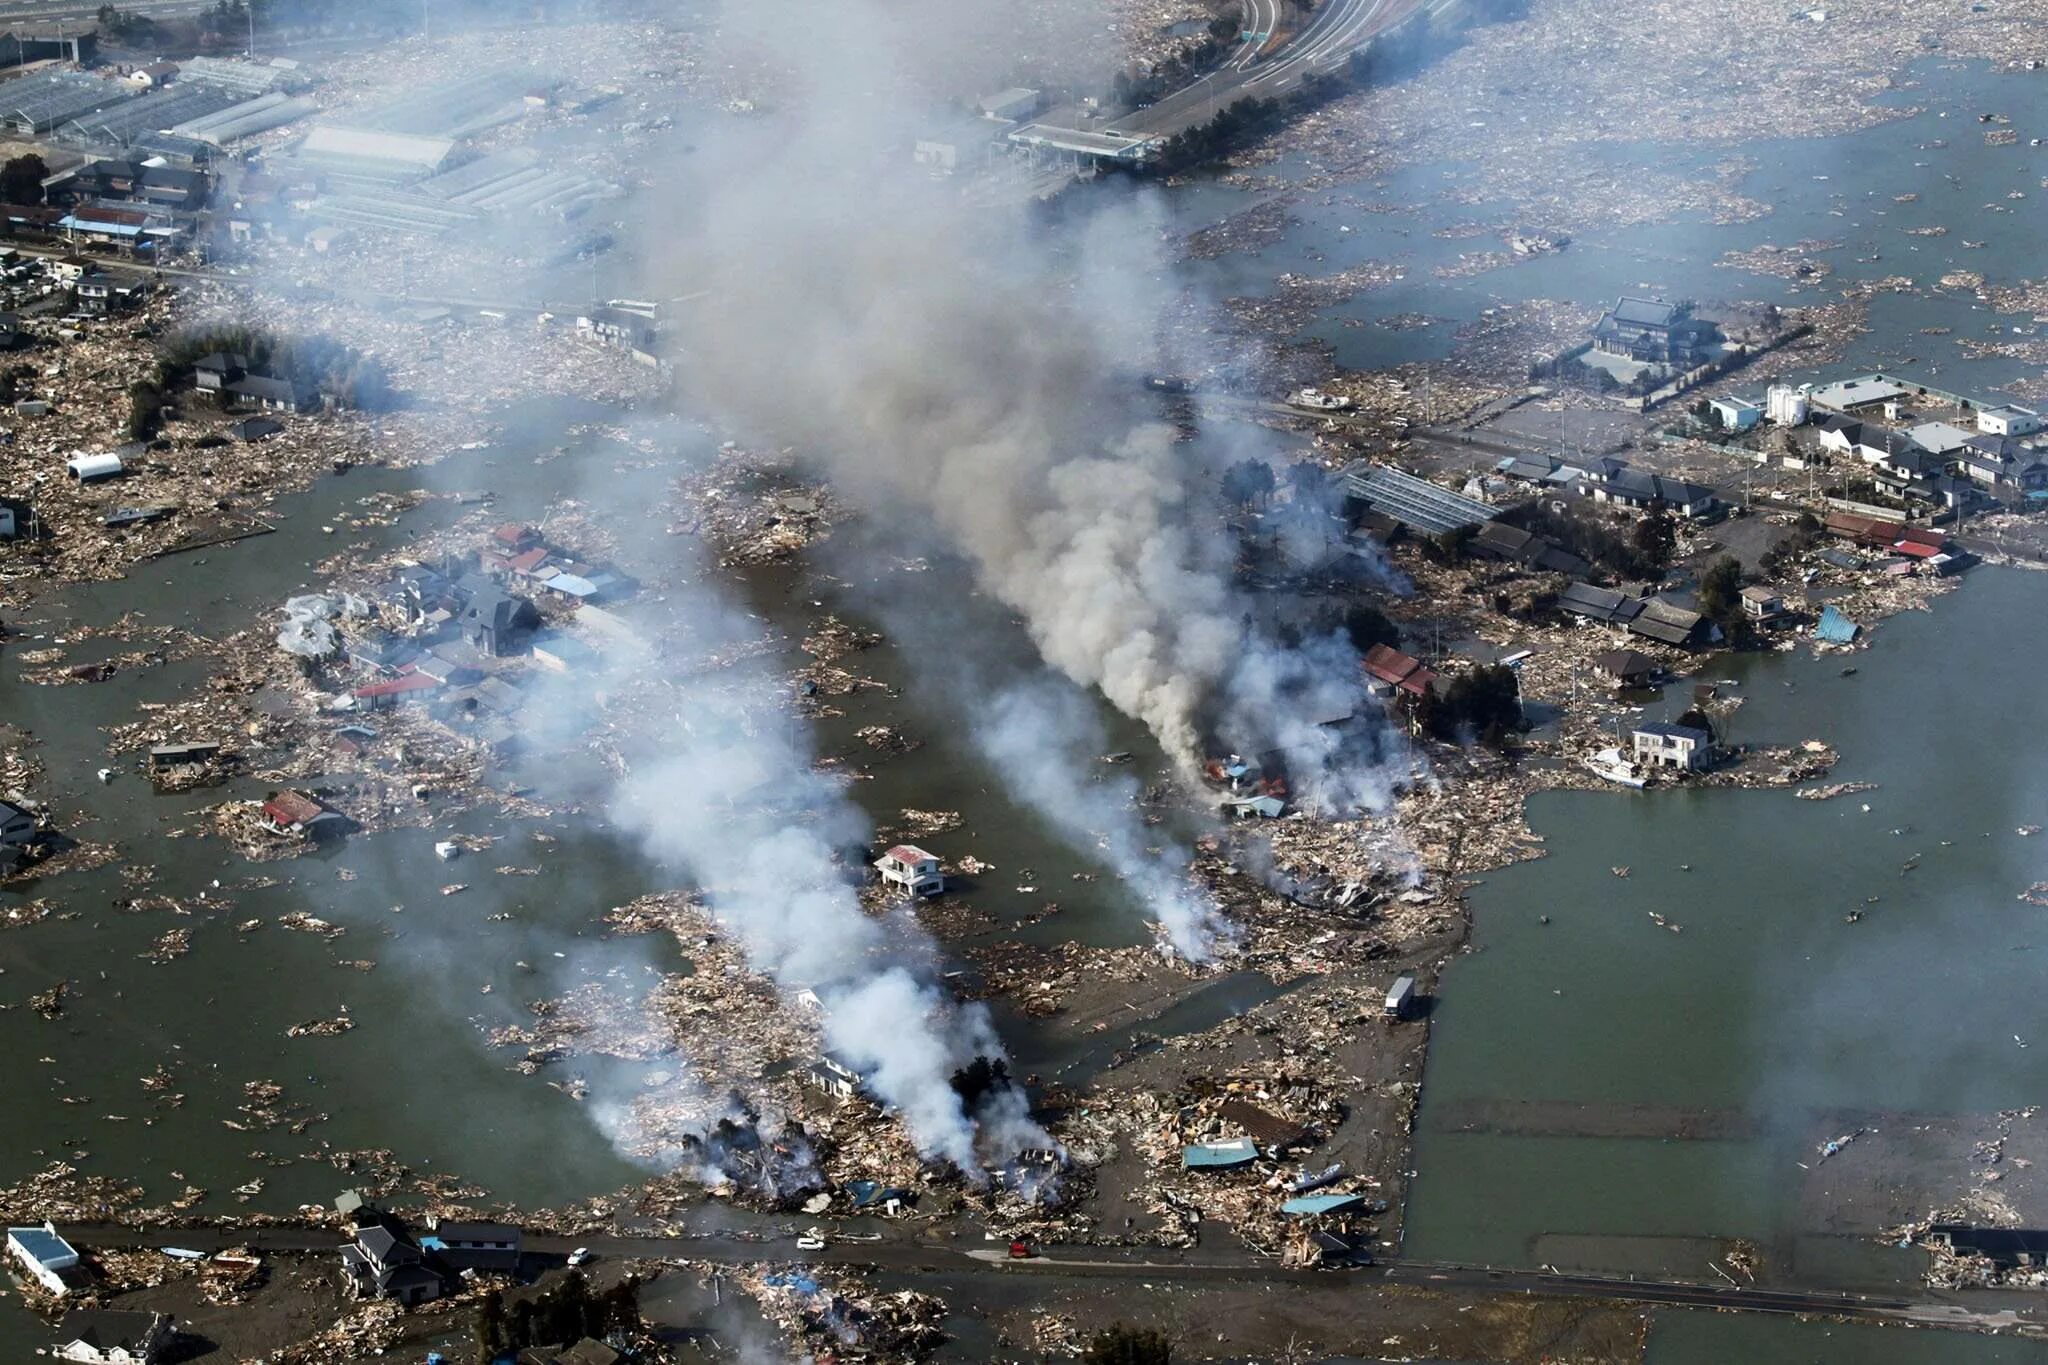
[1938,462]
[1613,480]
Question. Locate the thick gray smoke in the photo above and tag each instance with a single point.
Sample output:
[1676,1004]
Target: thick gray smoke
[955,364]
[732,798]
[1041,737]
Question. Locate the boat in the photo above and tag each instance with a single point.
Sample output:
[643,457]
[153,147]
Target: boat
[1610,764]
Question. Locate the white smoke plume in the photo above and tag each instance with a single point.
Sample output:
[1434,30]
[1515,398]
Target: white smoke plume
[1040,738]
[732,799]
[962,366]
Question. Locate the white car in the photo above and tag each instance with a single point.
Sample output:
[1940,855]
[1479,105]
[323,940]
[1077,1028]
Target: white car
[810,1242]
[581,1256]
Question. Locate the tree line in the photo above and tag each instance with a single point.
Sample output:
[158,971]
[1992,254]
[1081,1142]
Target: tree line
[319,366]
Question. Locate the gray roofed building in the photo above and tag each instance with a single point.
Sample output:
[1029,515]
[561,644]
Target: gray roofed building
[1940,437]
[264,391]
[1673,625]
[254,429]
[1595,603]
[17,824]
[383,1263]
[106,1336]
[1415,503]
[475,1245]
[1512,544]
[1659,745]
[1640,488]
[1531,469]
[1652,331]
[1858,393]
[494,621]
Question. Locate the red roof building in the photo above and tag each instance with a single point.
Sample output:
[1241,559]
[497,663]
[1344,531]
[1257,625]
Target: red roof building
[394,689]
[1920,542]
[291,812]
[1871,531]
[1397,672]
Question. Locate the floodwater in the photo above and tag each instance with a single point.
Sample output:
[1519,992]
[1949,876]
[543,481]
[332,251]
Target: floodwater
[1606,1094]
[414,1076]
[1844,190]
[1757,1025]
[1703,1338]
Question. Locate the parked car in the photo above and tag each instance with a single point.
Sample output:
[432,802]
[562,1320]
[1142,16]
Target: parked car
[581,1256]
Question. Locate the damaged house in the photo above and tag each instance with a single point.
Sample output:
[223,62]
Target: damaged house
[468,1245]
[493,621]
[18,835]
[1653,618]
[911,869]
[105,1336]
[290,812]
[1391,673]
[384,1263]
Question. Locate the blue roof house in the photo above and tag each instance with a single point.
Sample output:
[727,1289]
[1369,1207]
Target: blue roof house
[43,1254]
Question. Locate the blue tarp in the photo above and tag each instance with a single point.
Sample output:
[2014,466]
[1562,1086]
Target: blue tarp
[866,1192]
[1834,627]
[1322,1203]
[802,1284]
[1217,1156]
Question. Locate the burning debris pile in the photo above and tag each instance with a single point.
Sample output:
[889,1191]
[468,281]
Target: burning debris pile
[836,1314]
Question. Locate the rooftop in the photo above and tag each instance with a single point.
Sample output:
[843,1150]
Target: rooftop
[1666,731]
[1855,393]
[1643,312]
[44,1245]
[1416,503]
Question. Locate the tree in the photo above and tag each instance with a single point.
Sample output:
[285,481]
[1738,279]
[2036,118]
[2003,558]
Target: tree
[979,1079]
[1312,486]
[1721,587]
[1248,482]
[145,408]
[488,1330]
[1127,1345]
[1720,601]
[21,179]
[1656,539]
[1368,626]
[1487,703]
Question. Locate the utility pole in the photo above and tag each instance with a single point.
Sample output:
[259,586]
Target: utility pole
[249,7]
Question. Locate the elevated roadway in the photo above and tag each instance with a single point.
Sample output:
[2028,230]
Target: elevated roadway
[1266,63]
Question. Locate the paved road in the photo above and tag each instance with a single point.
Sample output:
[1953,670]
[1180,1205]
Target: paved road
[912,1248]
[1266,65]
[67,10]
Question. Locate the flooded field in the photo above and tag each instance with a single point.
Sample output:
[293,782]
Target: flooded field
[1607,1094]
[1861,200]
